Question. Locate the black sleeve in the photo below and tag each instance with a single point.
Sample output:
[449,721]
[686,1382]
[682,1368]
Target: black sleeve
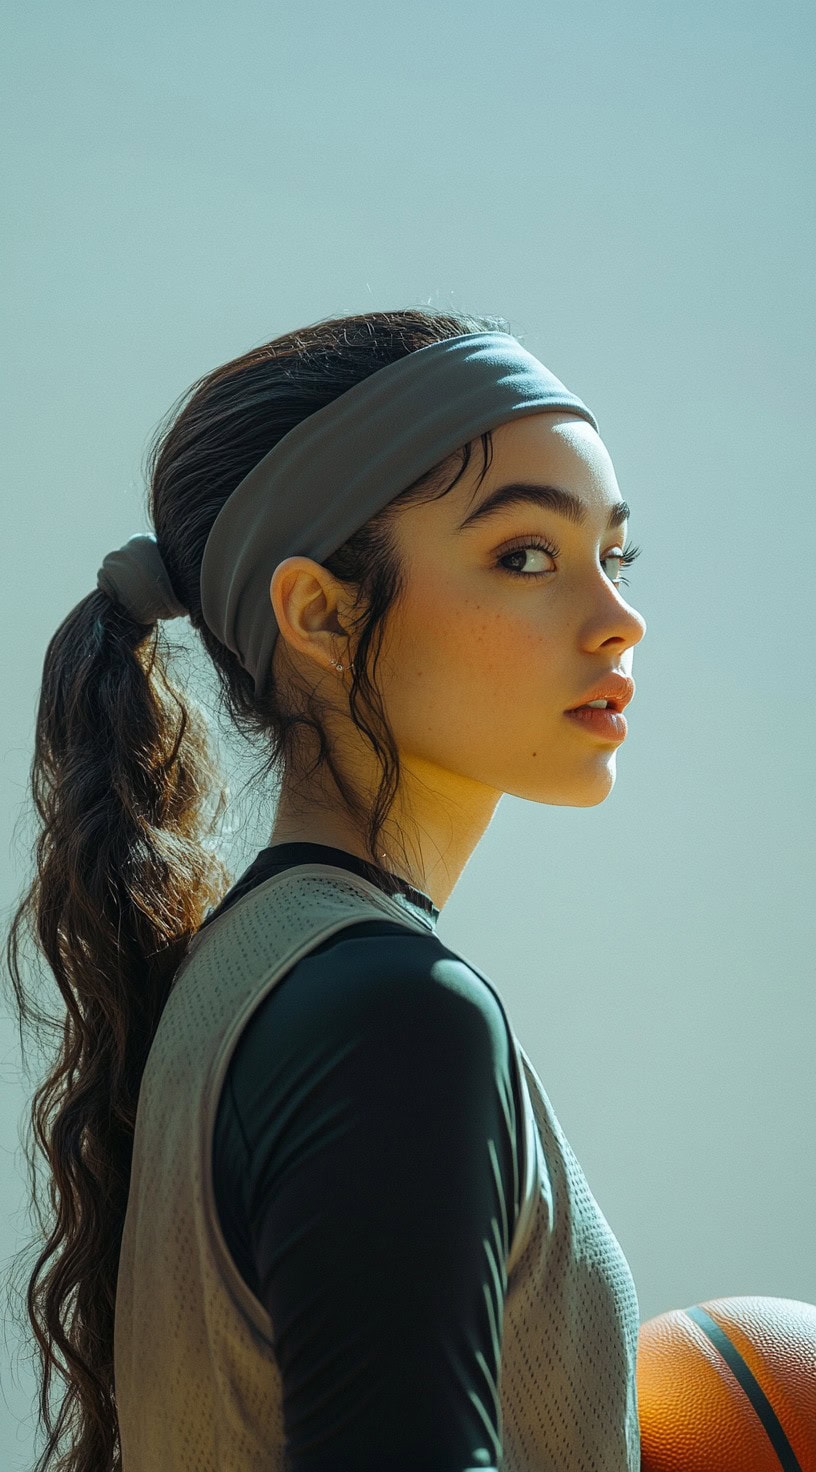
[374,1091]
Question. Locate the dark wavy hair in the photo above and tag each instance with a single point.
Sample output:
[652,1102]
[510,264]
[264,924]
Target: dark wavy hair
[129,797]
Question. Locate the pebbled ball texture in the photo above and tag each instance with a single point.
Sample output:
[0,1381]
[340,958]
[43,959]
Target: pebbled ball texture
[729,1386]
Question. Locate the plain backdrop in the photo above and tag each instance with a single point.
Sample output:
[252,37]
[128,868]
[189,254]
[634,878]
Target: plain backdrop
[631,186]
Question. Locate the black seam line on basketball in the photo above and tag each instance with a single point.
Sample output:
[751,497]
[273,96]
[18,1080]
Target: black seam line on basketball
[767,1415]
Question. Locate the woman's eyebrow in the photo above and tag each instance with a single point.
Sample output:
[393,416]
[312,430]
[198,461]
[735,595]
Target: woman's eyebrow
[552,498]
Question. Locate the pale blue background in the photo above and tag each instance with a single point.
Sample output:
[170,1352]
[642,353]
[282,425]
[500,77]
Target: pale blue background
[632,187]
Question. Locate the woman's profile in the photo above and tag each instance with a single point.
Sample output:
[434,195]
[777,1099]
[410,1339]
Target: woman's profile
[311,1206]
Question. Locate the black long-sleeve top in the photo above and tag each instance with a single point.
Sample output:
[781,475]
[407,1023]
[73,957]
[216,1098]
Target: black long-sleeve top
[356,1126]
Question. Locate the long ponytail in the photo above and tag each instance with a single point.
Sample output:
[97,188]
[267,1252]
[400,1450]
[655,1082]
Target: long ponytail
[121,776]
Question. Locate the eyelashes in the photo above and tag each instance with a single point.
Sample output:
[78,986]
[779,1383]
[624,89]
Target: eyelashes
[625,558]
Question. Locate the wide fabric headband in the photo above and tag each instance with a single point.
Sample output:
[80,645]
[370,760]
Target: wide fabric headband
[326,477]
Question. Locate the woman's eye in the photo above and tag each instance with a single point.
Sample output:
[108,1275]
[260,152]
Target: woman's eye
[519,551]
[624,558]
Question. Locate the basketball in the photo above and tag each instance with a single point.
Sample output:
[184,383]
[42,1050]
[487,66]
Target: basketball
[729,1386]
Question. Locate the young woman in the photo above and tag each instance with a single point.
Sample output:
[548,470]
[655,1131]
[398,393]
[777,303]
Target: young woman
[313,1209]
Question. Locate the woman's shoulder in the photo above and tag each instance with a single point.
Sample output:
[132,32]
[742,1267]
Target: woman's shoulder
[379,973]
[375,989]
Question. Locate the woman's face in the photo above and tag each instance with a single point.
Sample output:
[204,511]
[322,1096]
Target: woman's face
[479,665]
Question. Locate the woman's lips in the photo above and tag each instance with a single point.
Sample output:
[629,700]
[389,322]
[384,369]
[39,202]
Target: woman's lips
[611,724]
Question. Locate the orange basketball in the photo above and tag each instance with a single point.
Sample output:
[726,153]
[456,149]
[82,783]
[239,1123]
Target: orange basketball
[729,1386]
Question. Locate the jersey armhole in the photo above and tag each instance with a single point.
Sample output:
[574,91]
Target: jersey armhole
[528,1144]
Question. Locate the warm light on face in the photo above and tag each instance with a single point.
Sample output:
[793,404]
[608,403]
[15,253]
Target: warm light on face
[513,609]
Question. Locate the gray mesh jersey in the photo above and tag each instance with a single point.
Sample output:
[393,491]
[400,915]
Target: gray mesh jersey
[196,1379]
